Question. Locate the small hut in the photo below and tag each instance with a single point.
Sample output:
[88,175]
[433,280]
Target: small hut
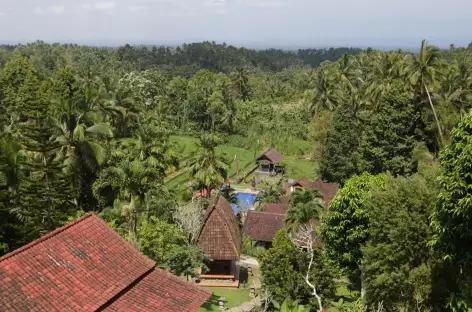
[220,239]
[270,162]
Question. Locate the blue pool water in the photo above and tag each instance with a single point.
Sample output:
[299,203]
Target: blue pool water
[245,200]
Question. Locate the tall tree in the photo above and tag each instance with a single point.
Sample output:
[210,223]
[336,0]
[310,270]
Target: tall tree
[345,228]
[305,206]
[208,169]
[422,72]
[390,136]
[399,272]
[339,155]
[451,218]
[46,198]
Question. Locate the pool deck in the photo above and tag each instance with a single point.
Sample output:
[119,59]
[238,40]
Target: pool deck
[249,191]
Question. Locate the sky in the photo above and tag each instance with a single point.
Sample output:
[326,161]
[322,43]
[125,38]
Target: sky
[251,23]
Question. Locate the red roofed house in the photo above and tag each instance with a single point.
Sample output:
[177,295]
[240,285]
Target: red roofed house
[220,239]
[262,226]
[278,208]
[86,266]
[327,190]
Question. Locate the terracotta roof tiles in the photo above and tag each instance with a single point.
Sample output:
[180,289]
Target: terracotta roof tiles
[82,267]
[276,208]
[262,226]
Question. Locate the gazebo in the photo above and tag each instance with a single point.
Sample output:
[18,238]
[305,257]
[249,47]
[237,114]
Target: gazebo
[220,239]
[270,162]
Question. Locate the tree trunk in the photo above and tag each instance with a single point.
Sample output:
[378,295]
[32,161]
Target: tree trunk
[435,115]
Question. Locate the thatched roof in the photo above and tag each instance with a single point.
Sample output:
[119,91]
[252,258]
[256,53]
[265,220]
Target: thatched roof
[270,155]
[220,236]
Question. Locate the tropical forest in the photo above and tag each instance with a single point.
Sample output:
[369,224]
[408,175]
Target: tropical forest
[146,137]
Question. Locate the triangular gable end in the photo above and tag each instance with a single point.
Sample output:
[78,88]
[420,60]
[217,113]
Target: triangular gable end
[220,236]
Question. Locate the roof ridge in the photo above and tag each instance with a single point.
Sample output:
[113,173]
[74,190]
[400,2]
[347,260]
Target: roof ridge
[221,214]
[46,237]
[263,212]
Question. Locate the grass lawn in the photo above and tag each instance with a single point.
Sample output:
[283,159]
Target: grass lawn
[234,297]
[295,166]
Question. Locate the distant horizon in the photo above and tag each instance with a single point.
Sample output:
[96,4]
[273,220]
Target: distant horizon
[248,45]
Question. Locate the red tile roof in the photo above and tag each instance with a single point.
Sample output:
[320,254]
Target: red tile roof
[84,266]
[262,226]
[328,190]
[220,236]
[284,199]
[276,208]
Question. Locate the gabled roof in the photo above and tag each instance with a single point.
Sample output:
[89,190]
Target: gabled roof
[271,155]
[276,208]
[220,236]
[305,183]
[284,199]
[262,226]
[328,190]
[86,266]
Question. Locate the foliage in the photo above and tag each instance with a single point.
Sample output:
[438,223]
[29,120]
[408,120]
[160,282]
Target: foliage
[250,248]
[207,169]
[389,136]
[167,245]
[345,228]
[283,267]
[450,219]
[398,271]
[304,206]
[270,191]
[339,153]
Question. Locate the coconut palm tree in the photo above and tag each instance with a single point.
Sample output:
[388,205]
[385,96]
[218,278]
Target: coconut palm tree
[240,83]
[379,82]
[349,74]
[129,182]
[80,137]
[305,206]
[422,72]
[326,94]
[207,169]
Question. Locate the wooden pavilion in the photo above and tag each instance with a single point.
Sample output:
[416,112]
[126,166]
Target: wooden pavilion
[220,239]
[270,162]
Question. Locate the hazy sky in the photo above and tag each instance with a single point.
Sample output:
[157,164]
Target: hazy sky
[257,23]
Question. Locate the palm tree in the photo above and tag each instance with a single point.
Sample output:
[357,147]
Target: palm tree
[305,206]
[456,87]
[240,82]
[79,136]
[271,190]
[422,72]
[207,169]
[326,94]
[385,71]
[116,101]
[11,168]
[150,143]
[129,182]
[348,73]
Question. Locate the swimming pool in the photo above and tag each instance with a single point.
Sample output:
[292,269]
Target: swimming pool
[245,201]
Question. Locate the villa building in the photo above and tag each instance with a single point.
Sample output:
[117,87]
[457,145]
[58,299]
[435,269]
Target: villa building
[220,238]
